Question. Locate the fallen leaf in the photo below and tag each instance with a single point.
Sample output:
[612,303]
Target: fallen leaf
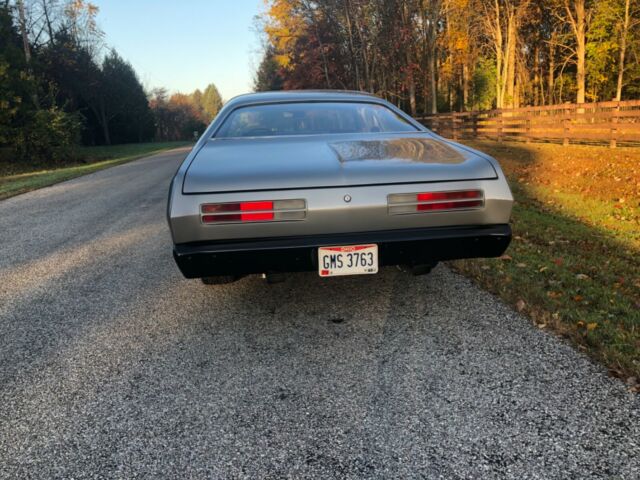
[506,257]
[521,265]
[580,323]
[578,298]
[558,261]
[591,326]
[520,305]
[552,294]
[582,276]
[543,269]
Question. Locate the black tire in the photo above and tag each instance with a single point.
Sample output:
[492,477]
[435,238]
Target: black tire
[220,279]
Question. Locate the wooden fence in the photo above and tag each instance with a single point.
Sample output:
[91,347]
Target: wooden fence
[612,123]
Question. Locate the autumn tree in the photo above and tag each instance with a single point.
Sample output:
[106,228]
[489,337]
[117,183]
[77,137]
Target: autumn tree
[175,116]
[430,55]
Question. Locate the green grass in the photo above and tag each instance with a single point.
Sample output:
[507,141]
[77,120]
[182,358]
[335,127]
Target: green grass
[574,263]
[16,178]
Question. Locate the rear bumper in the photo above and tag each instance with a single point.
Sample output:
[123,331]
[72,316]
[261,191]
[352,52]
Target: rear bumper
[297,254]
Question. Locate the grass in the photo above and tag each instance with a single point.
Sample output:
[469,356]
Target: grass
[574,263]
[16,178]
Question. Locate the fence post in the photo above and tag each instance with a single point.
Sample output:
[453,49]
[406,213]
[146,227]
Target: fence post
[474,124]
[454,127]
[527,125]
[613,143]
[499,125]
[566,125]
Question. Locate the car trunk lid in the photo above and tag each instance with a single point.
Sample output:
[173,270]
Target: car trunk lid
[324,161]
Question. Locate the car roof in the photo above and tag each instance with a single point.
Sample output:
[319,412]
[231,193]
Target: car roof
[301,96]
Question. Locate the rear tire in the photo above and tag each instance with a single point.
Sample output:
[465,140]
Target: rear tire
[220,279]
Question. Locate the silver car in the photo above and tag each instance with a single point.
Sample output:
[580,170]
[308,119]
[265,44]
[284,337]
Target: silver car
[340,183]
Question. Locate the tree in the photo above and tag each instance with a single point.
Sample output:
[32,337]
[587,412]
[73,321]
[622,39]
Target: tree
[613,31]
[503,21]
[34,132]
[195,99]
[576,14]
[16,85]
[268,76]
[211,102]
[124,108]
[176,117]
[431,15]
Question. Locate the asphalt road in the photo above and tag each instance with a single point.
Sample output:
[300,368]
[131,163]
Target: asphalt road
[114,366]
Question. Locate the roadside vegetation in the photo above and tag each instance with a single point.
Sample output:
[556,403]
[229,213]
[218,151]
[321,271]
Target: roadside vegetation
[433,56]
[574,264]
[64,93]
[16,178]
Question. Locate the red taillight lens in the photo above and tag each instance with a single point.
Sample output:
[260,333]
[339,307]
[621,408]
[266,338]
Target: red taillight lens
[254,211]
[401,203]
[246,212]
[256,207]
[449,200]
[426,197]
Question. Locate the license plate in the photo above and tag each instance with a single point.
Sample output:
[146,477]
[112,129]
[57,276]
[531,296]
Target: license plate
[348,260]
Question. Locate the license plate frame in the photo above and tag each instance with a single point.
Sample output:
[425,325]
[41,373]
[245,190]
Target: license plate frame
[348,260]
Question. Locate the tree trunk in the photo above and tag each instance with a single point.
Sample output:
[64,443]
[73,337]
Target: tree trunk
[581,53]
[412,94]
[45,10]
[510,77]
[23,31]
[365,56]
[352,53]
[552,68]
[431,16]
[623,48]
[26,46]
[578,21]
[465,86]
[536,78]
[324,59]
[105,124]
[497,44]
[411,85]
[433,82]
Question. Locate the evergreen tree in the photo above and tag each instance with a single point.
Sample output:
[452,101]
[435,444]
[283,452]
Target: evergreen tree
[211,102]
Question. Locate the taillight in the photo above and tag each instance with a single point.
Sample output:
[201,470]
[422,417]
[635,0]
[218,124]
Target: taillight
[254,211]
[435,201]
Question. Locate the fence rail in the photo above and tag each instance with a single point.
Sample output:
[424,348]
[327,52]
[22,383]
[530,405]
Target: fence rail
[612,123]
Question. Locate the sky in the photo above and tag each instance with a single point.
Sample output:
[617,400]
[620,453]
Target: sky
[185,44]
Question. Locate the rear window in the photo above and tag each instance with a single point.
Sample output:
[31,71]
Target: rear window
[311,119]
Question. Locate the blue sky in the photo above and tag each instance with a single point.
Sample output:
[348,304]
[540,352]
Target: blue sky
[185,44]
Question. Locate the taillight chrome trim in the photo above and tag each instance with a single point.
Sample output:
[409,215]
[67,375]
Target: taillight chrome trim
[281,211]
[409,204]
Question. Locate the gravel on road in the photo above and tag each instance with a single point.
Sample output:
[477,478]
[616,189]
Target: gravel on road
[114,366]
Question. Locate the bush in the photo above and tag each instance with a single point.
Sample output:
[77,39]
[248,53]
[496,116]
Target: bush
[50,136]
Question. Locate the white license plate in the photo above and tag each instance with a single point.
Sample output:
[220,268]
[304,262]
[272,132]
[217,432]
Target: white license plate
[349,260]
